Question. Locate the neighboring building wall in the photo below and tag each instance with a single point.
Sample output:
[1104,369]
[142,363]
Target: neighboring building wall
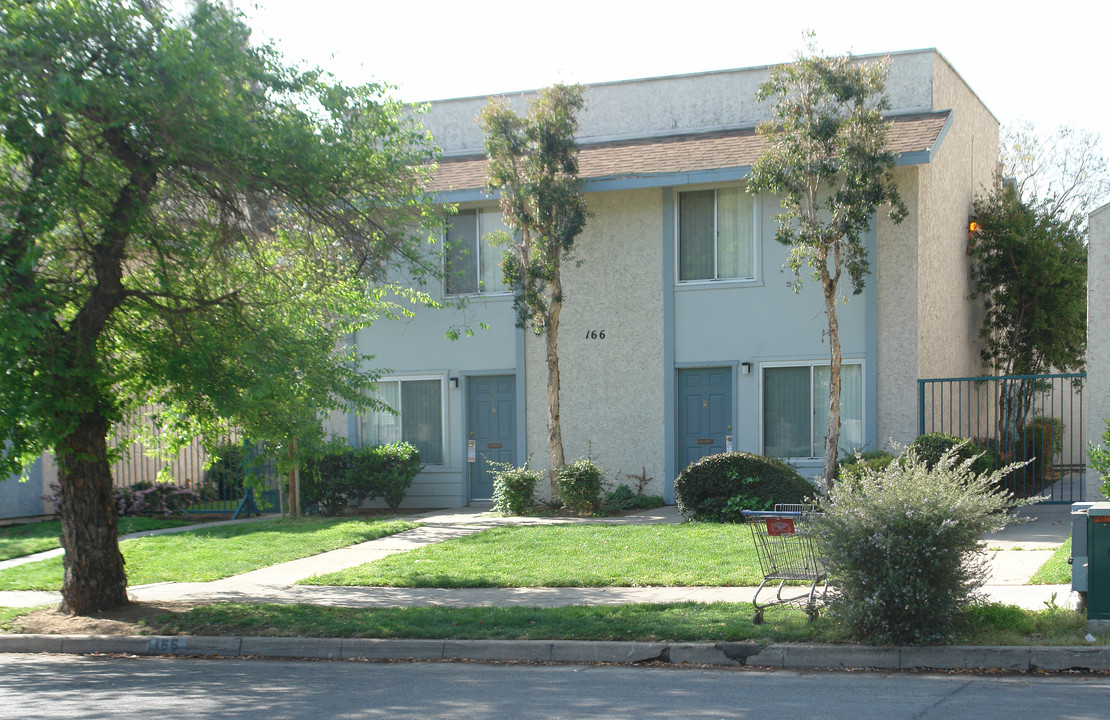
[1098,335]
[19,499]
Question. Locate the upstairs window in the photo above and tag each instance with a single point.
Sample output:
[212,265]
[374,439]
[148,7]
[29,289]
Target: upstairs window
[473,266]
[716,231]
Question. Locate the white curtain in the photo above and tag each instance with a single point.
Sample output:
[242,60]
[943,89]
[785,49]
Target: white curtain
[489,256]
[734,233]
[851,408]
[379,427]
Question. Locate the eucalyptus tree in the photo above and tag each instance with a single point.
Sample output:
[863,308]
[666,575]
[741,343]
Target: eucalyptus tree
[533,164]
[826,154]
[186,221]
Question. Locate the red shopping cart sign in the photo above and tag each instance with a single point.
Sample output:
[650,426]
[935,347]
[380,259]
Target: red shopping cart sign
[780,526]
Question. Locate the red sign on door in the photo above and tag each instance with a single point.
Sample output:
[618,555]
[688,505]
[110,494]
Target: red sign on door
[780,526]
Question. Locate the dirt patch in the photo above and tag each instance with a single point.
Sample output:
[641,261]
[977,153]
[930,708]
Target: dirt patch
[135,619]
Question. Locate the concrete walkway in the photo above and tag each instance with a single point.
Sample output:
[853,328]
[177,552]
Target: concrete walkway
[1014,555]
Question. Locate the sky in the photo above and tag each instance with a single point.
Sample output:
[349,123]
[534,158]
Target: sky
[1038,62]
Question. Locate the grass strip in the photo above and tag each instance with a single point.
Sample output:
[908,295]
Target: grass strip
[216,552]
[29,538]
[703,554]
[1056,571]
[9,617]
[991,624]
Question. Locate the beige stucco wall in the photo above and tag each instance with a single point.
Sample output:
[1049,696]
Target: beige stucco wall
[612,389]
[1098,334]
[927,323]
[963,167]
[896,281]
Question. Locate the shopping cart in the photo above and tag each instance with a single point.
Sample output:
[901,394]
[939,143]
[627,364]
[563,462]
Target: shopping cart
[786,553]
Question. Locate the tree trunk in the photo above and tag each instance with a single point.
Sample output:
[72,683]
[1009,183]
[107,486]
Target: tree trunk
[832,434]
[294,484]
[94,575]
[554,427]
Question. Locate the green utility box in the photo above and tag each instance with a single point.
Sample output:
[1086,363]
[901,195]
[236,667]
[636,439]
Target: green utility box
[1098,561]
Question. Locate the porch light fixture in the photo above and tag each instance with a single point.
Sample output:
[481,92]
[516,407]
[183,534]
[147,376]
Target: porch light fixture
[455,381]
[746,368]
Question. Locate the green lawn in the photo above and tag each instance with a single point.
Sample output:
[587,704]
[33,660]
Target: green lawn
[1056,571]
[216,552]
[571,556]
[672,622]
[30,538]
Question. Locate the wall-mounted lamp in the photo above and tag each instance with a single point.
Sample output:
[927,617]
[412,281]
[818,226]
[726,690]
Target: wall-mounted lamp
[746,368]
[455,381]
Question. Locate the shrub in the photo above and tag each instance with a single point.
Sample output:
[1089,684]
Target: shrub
[900,545]
[851,467]
[716,487]
[1099,458]
[143,498]
[623,498]
[344,476]
[514,488]
[930,448]
[389,471]
[1045,438]
[579,484]
[327,481]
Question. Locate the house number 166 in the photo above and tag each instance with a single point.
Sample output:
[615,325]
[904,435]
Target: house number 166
[595,334]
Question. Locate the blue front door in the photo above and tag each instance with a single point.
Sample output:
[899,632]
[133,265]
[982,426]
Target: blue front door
[491,426]
[704,413]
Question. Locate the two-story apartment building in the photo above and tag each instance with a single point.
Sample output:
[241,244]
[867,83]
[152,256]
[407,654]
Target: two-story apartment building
[680,335]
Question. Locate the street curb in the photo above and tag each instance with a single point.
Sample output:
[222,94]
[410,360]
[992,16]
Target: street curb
[726,654]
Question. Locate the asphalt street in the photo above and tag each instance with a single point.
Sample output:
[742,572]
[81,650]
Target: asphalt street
[122,688]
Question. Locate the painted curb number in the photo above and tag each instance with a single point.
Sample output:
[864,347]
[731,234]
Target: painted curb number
[595,334]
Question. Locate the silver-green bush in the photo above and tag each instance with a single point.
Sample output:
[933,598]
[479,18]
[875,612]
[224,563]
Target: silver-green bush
[514,488]
[901,546]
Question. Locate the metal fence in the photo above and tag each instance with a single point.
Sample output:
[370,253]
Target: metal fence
[235,481]
[1034,418]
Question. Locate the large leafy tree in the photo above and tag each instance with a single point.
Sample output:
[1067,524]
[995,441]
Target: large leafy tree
[1030,269]
[533,163]
[827,156]
[184,221]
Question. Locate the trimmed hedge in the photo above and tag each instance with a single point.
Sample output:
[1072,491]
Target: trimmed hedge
[717,487]
[930,448]
[348,476]
[851,467]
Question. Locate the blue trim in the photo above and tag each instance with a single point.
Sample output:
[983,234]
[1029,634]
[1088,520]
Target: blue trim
[464,195]
[670,391]
[871,344]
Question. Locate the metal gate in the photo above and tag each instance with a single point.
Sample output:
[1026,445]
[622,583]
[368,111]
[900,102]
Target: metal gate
[235,481]
[1034,418]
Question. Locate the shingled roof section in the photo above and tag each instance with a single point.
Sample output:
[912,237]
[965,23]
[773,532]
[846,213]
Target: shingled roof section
[682,153]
